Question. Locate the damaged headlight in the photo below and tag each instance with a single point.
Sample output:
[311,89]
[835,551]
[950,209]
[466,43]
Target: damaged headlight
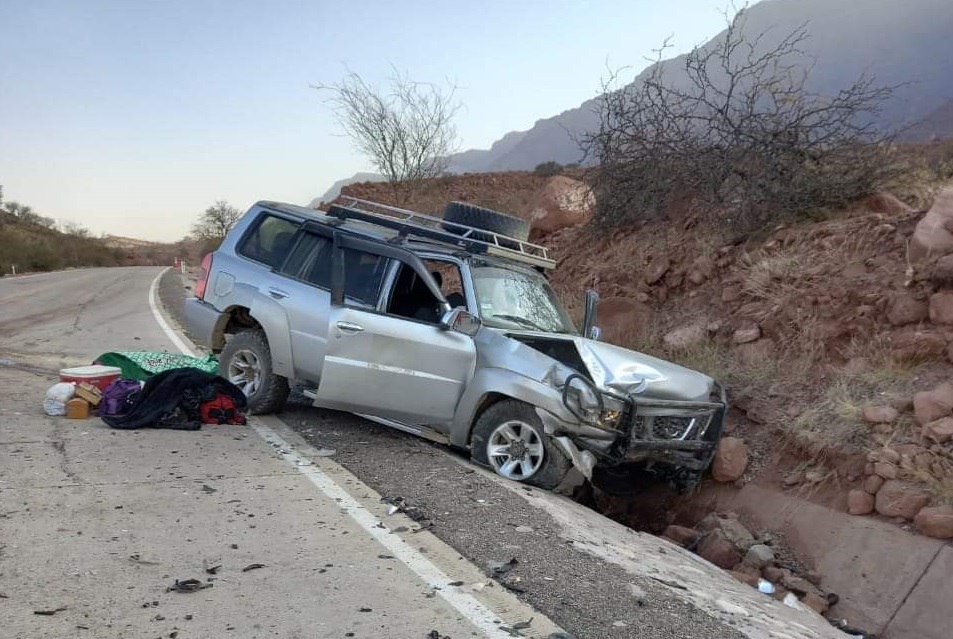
[582,398]
[591,406]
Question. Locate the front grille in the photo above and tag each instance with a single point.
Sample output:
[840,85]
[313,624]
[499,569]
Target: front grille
[671,427]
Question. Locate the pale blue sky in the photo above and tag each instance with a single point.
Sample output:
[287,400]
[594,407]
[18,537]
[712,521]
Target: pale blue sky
[131,117]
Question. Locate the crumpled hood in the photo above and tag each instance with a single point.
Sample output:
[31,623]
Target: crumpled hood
[630,372]
[611,368]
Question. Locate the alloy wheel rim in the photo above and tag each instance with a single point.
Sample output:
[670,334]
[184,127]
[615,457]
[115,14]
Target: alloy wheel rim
[515,450]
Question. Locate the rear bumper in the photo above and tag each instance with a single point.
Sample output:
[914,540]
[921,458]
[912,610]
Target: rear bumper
[201,318]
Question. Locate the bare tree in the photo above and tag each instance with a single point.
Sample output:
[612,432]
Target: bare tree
[737,133]
[406,130]
[216,222]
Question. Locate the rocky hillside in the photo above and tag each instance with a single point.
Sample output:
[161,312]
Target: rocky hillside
[897,42]
[833,336]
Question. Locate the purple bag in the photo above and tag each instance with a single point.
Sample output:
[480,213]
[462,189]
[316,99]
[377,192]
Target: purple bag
[119,397]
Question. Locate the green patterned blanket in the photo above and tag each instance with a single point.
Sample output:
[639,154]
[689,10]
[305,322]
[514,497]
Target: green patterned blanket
[142,364]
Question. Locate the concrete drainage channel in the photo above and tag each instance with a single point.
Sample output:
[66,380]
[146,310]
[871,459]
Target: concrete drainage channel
[868,577]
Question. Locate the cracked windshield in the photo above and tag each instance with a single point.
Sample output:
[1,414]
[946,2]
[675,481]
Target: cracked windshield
[519,299]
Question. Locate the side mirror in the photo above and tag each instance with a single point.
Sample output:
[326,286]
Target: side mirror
[461,320]
[589,328]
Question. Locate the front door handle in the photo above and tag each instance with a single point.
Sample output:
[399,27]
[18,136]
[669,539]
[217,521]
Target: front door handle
[348,327]
[277,293]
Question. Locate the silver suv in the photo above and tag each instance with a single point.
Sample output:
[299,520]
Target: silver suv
[447,329]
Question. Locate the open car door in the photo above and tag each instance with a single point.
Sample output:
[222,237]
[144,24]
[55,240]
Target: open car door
[382,364]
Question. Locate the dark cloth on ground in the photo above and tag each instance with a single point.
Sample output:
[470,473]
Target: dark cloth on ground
[173,399]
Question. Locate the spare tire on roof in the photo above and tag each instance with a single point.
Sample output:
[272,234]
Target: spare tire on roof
[478,217]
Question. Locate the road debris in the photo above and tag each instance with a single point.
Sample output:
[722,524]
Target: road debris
[252,567]
[499,568]
[515,629]
[365,609]
[211,568]
[49,613]
[188,585]
[137,558]
[208,489]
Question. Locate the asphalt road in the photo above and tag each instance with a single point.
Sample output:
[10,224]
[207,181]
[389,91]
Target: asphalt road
[101,522]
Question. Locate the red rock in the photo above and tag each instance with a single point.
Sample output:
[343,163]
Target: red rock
[731,460]
[935,521]
[903,309]
[687,336]
[942,272]
[886,470]
[731,293]
[941,307]
[682,535]
[873,483]
[655,271]
[561,203]
[716,548]
[930,406]
[860,502]
[880,414]
[816,602]
[931,236]
[917,345]
[744,578]
[748,331]
[940,431]
[900,499]
[752,575]
[775,575]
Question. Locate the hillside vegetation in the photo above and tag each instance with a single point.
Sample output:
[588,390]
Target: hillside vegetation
[28,246]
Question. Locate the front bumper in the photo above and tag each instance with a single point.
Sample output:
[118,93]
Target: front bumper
[679,434]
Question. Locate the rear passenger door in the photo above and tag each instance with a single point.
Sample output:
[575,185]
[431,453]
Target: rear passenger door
[304,292]
[382,364]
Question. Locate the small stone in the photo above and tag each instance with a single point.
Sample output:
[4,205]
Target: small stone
[860,502]
[903,309]
[747,332]
[731,460]
[682,535]
[524,529]
[737,534]
[930,406]
[745,578]
[775,575]
[900,499]
[687,336]
[759,556]
[886,470]
[940,431]
[935,521]
[717,549]
[657,270]
[880,414]
[941,307]
[873,483]
[816,602]
[799,585]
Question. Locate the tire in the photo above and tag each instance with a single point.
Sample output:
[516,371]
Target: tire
[545,470]
[488,219]
[248,353]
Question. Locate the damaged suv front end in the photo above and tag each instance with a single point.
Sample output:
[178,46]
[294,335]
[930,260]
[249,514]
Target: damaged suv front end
[612,411]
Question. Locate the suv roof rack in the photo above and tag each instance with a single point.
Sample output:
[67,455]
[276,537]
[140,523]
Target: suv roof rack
[475,240]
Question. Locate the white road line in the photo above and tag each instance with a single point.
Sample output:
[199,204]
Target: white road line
[464,603]
[163,324]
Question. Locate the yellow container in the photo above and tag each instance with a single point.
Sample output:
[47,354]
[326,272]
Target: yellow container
[77,408]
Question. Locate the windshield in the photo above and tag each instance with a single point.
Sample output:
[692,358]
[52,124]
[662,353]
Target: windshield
[518,299]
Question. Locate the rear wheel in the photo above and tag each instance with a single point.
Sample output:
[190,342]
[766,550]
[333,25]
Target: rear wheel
[509,438]
[246,362]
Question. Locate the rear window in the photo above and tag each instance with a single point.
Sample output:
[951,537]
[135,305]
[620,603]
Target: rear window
[269,241]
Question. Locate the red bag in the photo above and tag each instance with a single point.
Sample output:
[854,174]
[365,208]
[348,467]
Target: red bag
[221,410]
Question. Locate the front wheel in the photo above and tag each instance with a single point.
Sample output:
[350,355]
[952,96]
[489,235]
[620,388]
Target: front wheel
[246,362]
[509,438]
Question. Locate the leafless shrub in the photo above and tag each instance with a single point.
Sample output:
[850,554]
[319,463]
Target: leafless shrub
[405,130]
[738,135]
[215,223]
